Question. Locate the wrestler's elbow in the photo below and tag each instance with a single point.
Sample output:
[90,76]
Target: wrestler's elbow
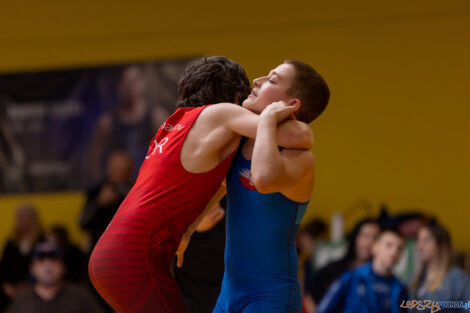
[265,182]
[302,137]
[306,137]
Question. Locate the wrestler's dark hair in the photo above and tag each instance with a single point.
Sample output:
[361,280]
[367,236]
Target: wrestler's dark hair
[210,80]
[311,89]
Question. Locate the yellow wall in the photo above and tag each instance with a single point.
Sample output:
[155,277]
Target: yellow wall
[397,127]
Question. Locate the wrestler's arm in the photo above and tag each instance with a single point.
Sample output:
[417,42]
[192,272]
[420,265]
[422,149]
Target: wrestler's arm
[220,193]
[289,133]
[277,171]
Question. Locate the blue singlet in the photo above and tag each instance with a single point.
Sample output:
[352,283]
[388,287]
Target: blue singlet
[260,255]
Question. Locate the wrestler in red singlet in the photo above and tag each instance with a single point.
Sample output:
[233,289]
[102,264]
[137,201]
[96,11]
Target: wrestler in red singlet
[130,263]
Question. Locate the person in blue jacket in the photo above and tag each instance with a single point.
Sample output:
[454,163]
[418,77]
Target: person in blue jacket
[370,288]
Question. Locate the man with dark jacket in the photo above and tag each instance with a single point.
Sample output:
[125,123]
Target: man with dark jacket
[50,293]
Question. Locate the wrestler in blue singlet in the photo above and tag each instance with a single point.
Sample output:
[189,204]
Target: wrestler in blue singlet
[260,255]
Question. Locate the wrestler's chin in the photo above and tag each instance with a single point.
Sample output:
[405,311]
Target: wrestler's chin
[249,103]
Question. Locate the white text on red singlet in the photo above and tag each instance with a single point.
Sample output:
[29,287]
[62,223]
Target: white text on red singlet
[168,127]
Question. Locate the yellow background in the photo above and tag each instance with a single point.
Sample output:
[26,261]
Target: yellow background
[397,127]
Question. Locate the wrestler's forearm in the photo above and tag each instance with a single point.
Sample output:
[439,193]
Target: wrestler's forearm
[289,134]
[220,193]
[266,163]
[293,134]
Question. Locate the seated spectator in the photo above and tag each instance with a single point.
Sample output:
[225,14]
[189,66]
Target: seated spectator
[103,200]
[74,259]
[359,252]
[370,288]
[14,272]
[438,280]
[50,293]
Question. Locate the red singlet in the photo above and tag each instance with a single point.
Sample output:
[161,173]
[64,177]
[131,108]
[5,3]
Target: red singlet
[130,265]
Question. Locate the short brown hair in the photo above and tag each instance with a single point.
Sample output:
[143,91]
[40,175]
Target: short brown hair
[311,89]
[210,80]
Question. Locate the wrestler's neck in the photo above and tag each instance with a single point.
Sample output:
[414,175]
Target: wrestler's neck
[247,149]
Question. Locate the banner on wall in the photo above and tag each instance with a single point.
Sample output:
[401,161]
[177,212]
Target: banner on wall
[57,128]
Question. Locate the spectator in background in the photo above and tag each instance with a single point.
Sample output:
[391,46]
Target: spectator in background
[50,293]
[438,280]
[408,224]
[200,277]
[370,288]
[14,272]
[306,239]
[74,259]
[103,200]
[359,252]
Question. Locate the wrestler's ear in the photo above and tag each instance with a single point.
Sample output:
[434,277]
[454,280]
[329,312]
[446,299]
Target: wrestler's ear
[295,103]
[236,100]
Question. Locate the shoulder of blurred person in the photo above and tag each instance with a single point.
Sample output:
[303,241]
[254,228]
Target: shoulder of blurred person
[76,263]
[365,271]
[24,302]
[94,214]
[13,263]
[93,189]
[456,286]
[10,250]
[324,277]
[102,202]
[333,297]
[70,299]
[93,192]
[81,298]
[346,294]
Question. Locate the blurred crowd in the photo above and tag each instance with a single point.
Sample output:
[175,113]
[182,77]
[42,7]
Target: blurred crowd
[382,263]
[41,270]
